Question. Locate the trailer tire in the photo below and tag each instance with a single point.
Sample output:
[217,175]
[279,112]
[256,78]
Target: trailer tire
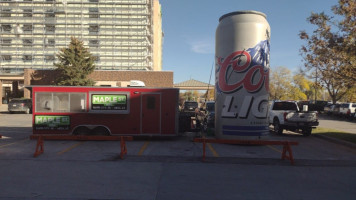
[81,130]
[100,130]
[277,127]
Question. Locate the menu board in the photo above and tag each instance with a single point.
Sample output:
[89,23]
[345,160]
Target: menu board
[108,102]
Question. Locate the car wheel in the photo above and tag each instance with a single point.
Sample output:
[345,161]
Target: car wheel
[277,127]
[306,131]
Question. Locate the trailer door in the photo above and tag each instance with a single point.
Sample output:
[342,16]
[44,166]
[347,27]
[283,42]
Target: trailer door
[151,113]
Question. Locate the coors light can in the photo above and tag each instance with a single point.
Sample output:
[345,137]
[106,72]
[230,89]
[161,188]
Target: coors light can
[242,75]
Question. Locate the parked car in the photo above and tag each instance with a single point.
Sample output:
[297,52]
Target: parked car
[286,115]
[347,109]
[335,109]
[20,105]
[206,115]
[327,109]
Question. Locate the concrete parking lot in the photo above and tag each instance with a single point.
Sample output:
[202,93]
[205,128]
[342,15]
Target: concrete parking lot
[170,168]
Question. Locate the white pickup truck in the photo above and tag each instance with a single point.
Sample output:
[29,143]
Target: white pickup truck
[286,115]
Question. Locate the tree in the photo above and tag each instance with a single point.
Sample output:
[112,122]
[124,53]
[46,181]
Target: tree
[75,64]
[280,84]
[303,86]
[210,94]
[347,49]
[331,55]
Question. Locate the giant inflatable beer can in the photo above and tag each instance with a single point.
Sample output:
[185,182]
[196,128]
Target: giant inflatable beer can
[242,75]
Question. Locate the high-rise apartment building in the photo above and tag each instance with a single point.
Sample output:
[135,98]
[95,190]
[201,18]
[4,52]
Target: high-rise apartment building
[121,34]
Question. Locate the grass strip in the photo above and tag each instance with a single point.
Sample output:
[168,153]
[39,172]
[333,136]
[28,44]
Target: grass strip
[335,134]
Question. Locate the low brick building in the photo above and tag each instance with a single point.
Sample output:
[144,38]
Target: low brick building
[103,78]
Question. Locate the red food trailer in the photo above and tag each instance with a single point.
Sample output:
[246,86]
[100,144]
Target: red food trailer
[79,110]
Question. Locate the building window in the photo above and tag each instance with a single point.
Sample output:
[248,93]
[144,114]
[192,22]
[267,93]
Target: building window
[27,42]
[51,42]
[27,58]
[93,28]
[27,13]
[6,57]
[49,58]
[96,58]
[151,103]
[50,13]
[94,1]
[6,42]
[27,28]
[50,28]
[6,13]
[6,27]
[93,13]
[93,43]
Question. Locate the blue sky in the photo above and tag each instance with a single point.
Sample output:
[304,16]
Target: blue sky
[189,32]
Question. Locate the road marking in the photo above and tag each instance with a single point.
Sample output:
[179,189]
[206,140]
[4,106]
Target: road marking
[5,145]
[275,149]
[70,148]
[143,148]
[215,154]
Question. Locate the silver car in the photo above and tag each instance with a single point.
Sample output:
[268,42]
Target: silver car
[20,105]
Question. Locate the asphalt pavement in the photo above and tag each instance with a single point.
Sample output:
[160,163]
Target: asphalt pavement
[170,168]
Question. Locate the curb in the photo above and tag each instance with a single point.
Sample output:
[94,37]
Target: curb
[335,140]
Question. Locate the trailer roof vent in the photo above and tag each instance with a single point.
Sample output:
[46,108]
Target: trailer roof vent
[136,83]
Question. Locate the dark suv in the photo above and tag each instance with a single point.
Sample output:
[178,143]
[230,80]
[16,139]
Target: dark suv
[20,105]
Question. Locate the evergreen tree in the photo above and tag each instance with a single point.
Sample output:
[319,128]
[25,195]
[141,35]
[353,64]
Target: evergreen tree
[75,64]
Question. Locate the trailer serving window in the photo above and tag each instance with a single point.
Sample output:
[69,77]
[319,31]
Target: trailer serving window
[115,102]
[60,102]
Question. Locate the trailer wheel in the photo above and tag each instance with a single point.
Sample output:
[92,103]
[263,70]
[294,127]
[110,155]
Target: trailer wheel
[82,130]
[100,130]
[277,127]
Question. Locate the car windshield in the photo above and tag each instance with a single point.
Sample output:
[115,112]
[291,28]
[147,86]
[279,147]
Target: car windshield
[17,101]
[284,106]
[191,104]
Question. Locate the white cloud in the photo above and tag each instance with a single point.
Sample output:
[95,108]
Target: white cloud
[202,46]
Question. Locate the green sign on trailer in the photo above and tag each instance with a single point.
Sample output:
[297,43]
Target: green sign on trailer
[52,122]
[108,102]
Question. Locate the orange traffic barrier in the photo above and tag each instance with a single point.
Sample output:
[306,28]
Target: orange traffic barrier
[123,148]
[41,138]
[39,147]
[286,145]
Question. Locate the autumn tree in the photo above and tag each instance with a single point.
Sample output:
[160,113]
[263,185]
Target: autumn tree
[330,54]
[303,87]
[210,94]
[75,64]
[280,83]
